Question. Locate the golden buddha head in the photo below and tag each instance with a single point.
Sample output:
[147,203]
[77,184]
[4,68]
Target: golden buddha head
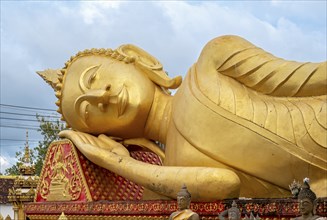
[104,91]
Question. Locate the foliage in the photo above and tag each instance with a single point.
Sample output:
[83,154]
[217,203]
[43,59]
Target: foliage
[49,130]
[14,169]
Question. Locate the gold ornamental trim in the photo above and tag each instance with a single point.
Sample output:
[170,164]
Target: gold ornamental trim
[84,183]
[102,217]
[44,186]
[122,217]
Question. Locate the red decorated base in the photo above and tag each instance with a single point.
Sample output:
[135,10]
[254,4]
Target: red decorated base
[92,192]
[265,208]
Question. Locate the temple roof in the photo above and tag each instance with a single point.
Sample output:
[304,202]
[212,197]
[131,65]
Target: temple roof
[27,168]
[6,182]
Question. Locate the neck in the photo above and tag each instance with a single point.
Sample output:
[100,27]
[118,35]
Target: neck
[184,208]
[159,117]
[307,216]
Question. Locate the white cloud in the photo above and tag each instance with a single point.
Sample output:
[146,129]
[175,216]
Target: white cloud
[93,11]
[275,2]
[283,37]
[4,163]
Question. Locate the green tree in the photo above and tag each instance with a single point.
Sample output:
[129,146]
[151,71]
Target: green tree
[49,130]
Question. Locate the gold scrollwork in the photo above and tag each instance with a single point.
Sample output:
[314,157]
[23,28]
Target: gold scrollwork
[60,181]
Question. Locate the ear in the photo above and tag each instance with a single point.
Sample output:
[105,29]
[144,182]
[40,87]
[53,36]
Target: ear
[52,77]
[150,66]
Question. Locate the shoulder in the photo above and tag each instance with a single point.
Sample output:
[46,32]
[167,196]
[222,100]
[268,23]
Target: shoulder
[227,40]
[316,217]
[173,214]
[194,216]
[222,48]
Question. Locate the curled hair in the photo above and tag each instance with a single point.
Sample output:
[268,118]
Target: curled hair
[184,192]
[306,192]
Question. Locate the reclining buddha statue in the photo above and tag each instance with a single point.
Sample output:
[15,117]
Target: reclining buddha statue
[243,123]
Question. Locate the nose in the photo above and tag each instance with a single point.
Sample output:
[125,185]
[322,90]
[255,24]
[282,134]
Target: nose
[100,98]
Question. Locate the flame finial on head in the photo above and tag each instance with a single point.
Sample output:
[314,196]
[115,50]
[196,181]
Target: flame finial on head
[51,77]
[184,192]
[306,192]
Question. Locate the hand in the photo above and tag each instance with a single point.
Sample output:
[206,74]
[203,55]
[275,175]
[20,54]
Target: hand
[82,140]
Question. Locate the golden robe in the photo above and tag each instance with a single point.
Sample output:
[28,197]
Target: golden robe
[263,117]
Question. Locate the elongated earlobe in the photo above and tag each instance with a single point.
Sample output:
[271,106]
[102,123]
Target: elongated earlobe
[150,66]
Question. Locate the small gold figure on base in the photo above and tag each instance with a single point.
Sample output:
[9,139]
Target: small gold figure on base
[62,216]
[184,212]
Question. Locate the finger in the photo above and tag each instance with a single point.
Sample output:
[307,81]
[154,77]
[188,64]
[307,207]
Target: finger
[89,139]
[82,136]
[104,142]
[65,133]
[113,146]
[69,134]
[74,136]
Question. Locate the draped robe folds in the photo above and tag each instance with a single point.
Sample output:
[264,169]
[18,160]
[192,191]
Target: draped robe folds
[268,140]
[182,215]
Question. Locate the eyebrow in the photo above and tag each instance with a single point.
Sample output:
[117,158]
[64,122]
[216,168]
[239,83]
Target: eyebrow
[88,76]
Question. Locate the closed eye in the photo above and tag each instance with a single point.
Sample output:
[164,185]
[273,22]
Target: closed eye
[88,77]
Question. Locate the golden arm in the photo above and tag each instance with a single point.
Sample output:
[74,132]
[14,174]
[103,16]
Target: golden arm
[205,184]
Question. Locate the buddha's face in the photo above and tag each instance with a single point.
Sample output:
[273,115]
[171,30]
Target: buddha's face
[183,202]
[306,206]
[105,96]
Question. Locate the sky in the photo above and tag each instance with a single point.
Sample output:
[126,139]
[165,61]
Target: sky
[37,35]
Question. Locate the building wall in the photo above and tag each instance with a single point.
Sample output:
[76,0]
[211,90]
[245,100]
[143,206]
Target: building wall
[6,209]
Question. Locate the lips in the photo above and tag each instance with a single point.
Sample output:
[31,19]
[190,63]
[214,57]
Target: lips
[122,99]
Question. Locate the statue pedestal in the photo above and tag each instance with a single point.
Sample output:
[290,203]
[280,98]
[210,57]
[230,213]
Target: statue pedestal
[96,193]
[160,209]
